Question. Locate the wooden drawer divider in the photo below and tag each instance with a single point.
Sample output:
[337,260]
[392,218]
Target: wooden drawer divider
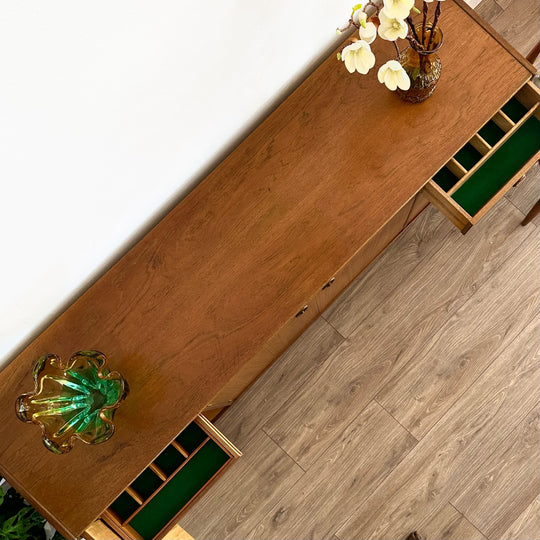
[443,190]
[121,520]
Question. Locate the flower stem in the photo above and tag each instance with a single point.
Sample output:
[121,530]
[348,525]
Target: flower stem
[415,44]
[434,24]
[397,50]
[424,18]
[413,29]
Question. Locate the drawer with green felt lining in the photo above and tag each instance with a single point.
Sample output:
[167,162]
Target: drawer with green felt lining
[479,174]
[158,497]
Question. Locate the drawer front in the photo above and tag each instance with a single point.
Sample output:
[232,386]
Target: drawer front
[155,501]
[362,258]
[490,163]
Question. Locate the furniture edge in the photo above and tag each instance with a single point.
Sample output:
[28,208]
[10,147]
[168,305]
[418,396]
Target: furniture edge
[496,36]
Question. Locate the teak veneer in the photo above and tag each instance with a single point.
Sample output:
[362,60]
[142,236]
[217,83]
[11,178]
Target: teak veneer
[218,289]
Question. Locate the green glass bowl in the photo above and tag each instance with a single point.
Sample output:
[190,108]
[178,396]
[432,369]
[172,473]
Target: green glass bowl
[73,400]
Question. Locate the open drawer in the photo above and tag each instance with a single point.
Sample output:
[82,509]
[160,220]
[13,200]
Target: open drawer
[159,496]
[489,164]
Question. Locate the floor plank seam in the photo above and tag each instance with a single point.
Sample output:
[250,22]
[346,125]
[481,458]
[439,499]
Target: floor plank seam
[469,521]
[328,322]
[381,482]
[432,334]
[390,414]
[281,448]
[514,205]
[488,457]
[366,270]
[453,404]
[528,506]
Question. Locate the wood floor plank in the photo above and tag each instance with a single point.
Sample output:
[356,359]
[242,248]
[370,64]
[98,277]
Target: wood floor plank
[358,460]
[421,392]
[518,23]
[440,465]
[526,193]
[394,334]
[255,406]
[488,10]
[502,488]
[244,494]
[449,524]
[527,525]
[418,241]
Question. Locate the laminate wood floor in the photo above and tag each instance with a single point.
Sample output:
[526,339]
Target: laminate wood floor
[413,402]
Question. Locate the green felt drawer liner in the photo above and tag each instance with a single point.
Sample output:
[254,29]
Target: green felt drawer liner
[191,437]
[146,483]
[491,133]
[499,167]
[124,506]
[445,178]
[180,489]
[468,156]
[514,110]
[169,460]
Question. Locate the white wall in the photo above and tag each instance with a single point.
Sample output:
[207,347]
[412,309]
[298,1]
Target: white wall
[110,110]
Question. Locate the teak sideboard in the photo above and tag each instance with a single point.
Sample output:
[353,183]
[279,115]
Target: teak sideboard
[222,285]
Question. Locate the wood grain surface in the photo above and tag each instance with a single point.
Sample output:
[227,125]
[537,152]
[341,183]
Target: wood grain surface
[260,480]
[443,461]
[527,525]
[449,524]
[510,257]
[249,412]
[397,333]
[311,508]
[421,392]
[502,488]
[414,245]
[202,292]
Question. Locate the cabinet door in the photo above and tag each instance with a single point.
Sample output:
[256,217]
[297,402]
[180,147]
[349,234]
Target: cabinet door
[270,351]
[307,313]
[362,258]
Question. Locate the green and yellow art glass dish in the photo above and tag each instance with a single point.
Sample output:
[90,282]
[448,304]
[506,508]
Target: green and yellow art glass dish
[73,400]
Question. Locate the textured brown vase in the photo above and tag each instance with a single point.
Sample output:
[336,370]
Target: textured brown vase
[422,66]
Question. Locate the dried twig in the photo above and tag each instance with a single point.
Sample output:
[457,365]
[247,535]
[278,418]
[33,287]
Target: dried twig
[434,24]
[413,29]
[424,18]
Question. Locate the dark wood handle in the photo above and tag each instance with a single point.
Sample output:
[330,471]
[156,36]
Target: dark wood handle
[302,311]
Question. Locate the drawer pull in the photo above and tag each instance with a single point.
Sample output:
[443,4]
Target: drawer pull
[302,311]
[329,283]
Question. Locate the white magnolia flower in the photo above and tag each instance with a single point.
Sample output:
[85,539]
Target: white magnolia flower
[394,76]
[368,33]
[359,17]
[398,9]
[391,28]
[358,57]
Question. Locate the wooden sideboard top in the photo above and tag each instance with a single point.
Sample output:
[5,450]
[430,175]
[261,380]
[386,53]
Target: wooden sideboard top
[224,270]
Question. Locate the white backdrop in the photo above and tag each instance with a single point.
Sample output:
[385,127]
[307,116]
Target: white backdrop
[111,109]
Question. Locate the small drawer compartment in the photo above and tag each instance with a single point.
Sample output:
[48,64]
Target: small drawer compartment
[154,502]
[481,172]
[501,166]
